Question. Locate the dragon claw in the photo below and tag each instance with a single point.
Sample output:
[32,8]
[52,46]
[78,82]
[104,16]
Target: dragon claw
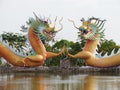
[62,51]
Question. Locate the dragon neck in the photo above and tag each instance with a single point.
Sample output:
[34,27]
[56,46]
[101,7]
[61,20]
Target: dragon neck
[91,45]
[36,42]
[42,38]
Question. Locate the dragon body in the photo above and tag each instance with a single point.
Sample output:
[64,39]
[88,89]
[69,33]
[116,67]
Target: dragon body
[92,30]
[38,31]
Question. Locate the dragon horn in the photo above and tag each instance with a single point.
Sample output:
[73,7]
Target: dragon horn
[55,21]
[60,24]
[52,28]
[73,23]
[49,20]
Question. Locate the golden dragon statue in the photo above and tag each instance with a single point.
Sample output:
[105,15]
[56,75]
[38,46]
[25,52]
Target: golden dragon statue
[38,30]
[92,30]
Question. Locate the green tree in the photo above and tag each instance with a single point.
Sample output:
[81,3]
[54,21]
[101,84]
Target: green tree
[16,41]
[107,47]
[56,47]
[74,47]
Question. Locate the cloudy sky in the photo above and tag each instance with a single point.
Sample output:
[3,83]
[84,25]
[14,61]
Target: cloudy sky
[14,13]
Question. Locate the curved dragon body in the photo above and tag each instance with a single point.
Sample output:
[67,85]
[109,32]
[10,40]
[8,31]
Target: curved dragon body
[92,31]
[38,31]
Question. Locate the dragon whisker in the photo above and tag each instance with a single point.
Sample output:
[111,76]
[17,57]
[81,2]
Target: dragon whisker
[55,21]
[73,24]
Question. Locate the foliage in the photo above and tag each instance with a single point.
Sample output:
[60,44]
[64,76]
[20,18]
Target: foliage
[16,41]
[13,37]
[73,47]
[61,43]
[107,47]
[56,47]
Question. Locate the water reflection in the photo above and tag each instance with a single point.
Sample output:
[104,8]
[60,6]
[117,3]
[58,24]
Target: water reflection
[32,81]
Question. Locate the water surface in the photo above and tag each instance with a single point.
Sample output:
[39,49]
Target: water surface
[35,81]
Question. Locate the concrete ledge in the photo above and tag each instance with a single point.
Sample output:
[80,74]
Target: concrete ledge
[57,69]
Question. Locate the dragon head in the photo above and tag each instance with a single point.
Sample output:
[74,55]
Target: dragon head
[42,27]
[91,28]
